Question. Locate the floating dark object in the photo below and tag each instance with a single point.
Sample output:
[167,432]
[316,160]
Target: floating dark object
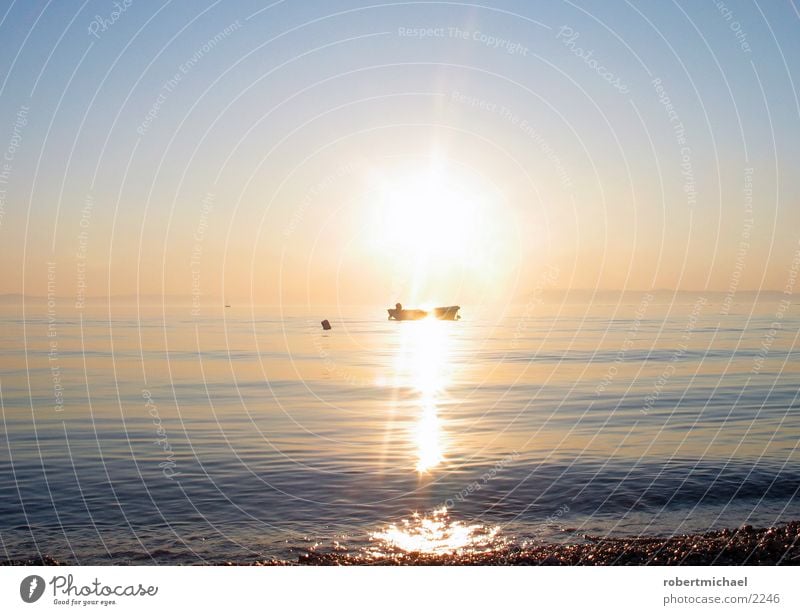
[326,325]
[442,313]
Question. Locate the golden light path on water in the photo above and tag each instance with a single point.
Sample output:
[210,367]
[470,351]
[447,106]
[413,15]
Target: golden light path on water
[424,364]
[443,208]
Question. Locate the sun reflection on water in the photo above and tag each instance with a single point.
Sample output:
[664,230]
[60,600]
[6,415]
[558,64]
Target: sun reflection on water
[428,439]
[423,365]
[434,534]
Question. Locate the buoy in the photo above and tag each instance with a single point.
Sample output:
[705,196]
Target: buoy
[326,325]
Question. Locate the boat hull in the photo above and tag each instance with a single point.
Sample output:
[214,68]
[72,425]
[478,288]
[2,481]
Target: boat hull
[447,313]
[442,313]
[407,314]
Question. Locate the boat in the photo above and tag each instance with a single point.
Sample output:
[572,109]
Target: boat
[447,313]
[401,314]
[442,313]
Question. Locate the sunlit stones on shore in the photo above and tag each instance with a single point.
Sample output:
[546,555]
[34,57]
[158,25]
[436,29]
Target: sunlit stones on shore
[434,534]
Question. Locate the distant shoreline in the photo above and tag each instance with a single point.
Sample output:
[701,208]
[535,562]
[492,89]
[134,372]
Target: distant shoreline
[547,296]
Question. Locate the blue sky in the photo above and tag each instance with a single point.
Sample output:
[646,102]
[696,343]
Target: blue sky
[291,110]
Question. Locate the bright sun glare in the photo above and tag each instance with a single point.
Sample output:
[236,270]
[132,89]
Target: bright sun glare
[430,216]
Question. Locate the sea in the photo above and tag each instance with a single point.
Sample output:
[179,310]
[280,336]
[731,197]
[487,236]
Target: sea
[177,434]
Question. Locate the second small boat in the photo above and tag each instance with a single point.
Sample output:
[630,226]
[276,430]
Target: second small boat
[442,313]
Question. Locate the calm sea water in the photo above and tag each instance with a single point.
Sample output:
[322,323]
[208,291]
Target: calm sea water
[152,435]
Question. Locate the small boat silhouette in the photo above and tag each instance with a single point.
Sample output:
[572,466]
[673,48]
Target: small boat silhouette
[442,313]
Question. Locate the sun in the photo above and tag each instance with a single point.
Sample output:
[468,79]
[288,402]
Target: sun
[428,214]
[437,232]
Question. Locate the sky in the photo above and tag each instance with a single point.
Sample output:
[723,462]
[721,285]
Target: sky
[374,152]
